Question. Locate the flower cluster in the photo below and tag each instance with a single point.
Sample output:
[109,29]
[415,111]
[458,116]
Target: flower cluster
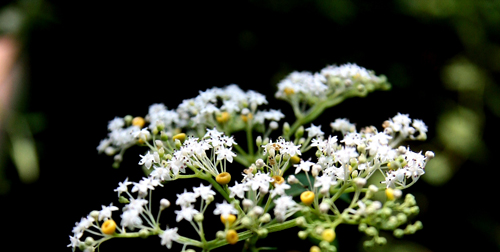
[294,180]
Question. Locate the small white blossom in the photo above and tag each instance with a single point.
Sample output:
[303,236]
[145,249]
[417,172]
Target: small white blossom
[186,212]
[122,187]
[203,191]
[224,209]
[169,235]
[105,213]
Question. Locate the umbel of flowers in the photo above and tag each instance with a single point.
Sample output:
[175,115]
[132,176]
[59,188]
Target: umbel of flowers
[294,180]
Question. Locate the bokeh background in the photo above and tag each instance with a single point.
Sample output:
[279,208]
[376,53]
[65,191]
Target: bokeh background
[67,68]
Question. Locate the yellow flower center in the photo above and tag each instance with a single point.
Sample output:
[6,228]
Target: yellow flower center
[222,117]
[295,159]
[389,192]
[314,249]
[232,236]
[247,117]
[278,180]
[288,91]
[108,227]
[138,121]
[229,220]
[328,235]
[180,136]
[223,178]
[307,197]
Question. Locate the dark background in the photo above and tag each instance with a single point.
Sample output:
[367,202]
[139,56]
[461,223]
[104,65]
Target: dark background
[89,62]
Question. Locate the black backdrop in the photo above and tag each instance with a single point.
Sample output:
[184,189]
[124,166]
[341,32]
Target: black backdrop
[99,60]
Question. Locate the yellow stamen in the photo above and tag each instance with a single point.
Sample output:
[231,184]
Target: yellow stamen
[288,91]
[232,236]
[278,180]
[247,117]
[222,117]
[108,227]
[229,220]
[295,159]
[138,121]
[307,197]
[328,235]
[180,136]
[314,249]
[389,192]
[223,178]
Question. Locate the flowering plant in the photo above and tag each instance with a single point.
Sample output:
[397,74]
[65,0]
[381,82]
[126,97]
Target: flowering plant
[281,187]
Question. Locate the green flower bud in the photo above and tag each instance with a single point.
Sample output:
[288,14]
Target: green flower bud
[94,214]
[368,244]
[198,217]
[246,221]
[160,125]
[299,133]
[380,240]
[319,153]
[414,210]
[398,233]
[302,234]
[258,141]
[220,235]
[371,231]
[143,233]
[402,218]
[265,218]
[418,225]
[161,151]
[163,136]
[301,221]
[286,128]
[386,211]
[128,119]
[262,233]
[123,200]
[362,227]
[89,241]
[324,245]
[178,144]
[362,158]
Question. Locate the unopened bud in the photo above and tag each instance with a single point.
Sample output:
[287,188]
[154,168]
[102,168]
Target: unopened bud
[164,203]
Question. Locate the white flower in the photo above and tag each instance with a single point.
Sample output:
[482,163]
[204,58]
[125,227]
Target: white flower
[325,181]
[345,154]
[147,160]
[131,218]
[122,187]
[169,235]
[143,134]
[238,190]
[304,166]
[105,213]
[283,204]
[279,189]
[314,131]
[225,153]
[203,191]
[116,123]
[81,226]
[224,209]
[343,125]
[259,181]
[74,242]
[186,198]
[419,125]
[186,212]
